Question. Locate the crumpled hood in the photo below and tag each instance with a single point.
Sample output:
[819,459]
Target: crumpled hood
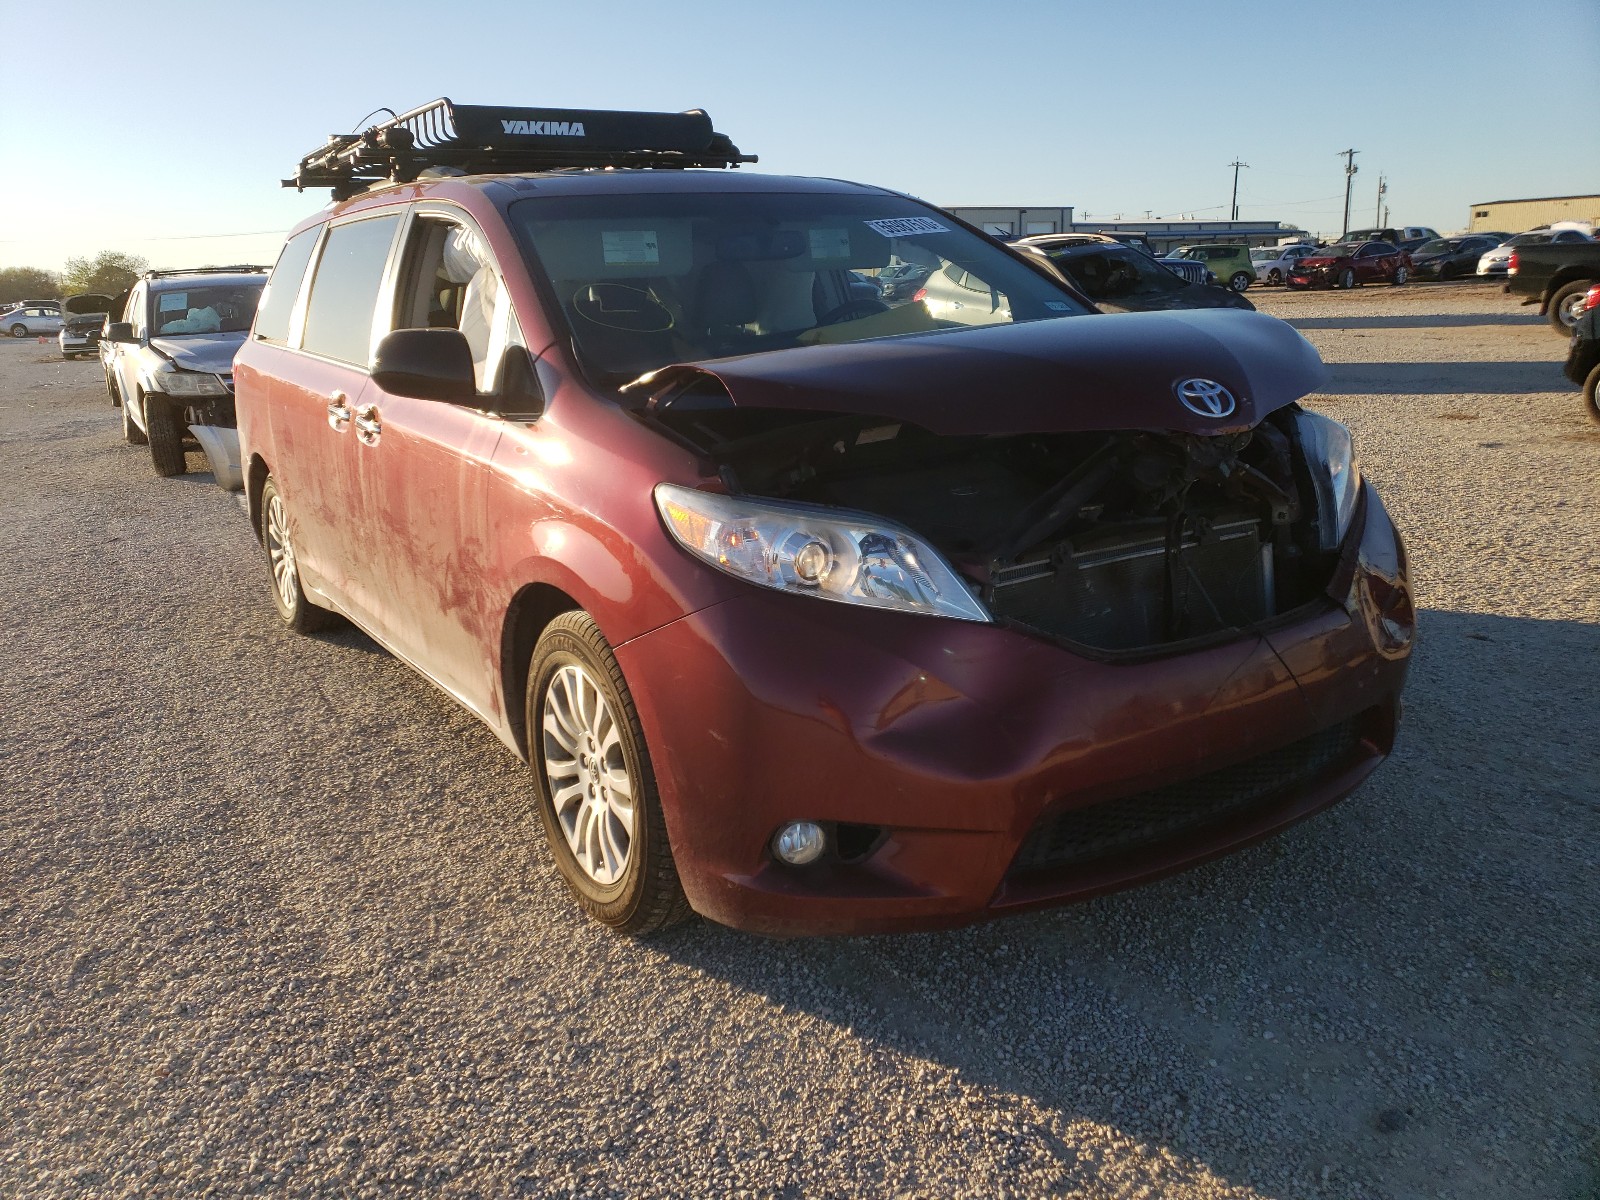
[1106,372]
[209,352]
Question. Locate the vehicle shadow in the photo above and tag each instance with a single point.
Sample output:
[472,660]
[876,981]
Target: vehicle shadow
[1431,321]
[1445,379]
[1380,983]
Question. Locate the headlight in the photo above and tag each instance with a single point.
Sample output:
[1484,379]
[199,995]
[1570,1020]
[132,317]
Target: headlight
[175,381]
[1331,457]
[809,550]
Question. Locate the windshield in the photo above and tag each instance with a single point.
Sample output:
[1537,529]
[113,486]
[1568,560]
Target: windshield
[1337,250]
[208,308]
[1117,271]
[1439,246]
[1264,255]
[651,279]
[1529,239]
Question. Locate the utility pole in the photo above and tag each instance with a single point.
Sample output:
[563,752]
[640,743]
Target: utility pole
[1350,170]
[1236,165]
[1383,188]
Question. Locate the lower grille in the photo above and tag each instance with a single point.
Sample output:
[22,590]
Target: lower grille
[1116,592]
[1117,827]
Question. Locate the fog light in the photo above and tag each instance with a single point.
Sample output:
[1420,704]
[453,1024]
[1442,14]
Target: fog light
[800,842]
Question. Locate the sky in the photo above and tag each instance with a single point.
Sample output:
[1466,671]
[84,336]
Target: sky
[165,132]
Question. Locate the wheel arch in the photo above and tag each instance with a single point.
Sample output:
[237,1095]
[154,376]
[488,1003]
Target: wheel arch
[255,478]
[1558,281]
[529,614]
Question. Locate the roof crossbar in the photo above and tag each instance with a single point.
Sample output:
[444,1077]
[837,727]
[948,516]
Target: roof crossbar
[483,138]
[236,269]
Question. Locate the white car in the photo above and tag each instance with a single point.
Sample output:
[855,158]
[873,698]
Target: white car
[1272,263]
[31,320]
[1497,262]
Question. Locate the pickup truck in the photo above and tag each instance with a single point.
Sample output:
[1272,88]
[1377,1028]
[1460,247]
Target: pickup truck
[1555,277]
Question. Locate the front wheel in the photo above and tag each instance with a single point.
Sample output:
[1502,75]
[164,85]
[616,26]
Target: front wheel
[1347,278]
[1566,306]
[1591,395]
[595,787]
[19,331]
[298,613]
[1400,276]
[166,437]
[1274,277]
[1240,282]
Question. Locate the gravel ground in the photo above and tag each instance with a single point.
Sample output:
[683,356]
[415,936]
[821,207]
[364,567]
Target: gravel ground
[275,918]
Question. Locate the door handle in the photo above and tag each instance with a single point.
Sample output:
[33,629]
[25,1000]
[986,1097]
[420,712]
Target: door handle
[338,411]
[368,427]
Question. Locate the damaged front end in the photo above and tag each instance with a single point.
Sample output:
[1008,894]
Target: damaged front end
[1112,542]
[1116,542]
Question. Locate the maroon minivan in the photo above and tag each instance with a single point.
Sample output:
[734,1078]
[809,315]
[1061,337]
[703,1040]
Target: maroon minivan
[811,611]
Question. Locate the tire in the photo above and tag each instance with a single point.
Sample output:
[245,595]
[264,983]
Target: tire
[1239,282]
[1400,276]
[1591,395]
[1567,305]
[166,437]
[19,331]
[1347,279]
[288,597]
[131,433]
[1274,277]
[631,889]
[1446,274]
[111,390]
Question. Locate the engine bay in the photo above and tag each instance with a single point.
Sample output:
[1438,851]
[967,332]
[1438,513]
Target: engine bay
[1123,542]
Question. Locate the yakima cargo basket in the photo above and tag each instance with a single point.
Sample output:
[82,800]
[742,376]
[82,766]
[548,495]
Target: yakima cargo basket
[483,138]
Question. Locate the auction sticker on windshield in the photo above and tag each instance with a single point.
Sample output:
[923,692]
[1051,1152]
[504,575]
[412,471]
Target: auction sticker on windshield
[630,247]
[906,226]
[830,243]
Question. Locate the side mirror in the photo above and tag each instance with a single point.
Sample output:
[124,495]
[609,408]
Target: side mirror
[426,364]
[120,331]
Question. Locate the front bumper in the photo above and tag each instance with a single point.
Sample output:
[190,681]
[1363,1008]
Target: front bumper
[971,765]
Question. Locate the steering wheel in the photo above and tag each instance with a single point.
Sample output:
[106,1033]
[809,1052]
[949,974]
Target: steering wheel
[622,307]
[853,310]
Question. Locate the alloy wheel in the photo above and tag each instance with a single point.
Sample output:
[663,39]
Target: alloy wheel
[591,788]
[280,551]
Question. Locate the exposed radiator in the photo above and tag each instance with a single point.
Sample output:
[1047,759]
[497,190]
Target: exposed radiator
[1111,590]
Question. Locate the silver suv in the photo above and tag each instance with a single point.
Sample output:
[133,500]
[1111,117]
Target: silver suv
[170,360]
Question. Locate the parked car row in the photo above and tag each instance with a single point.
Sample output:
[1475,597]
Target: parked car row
[810,611]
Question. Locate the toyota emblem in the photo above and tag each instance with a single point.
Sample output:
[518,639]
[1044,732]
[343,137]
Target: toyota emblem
[1205,397]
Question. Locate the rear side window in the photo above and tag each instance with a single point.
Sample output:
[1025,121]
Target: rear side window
[344,290]
[272,318]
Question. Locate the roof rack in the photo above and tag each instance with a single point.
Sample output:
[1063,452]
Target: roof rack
[483,138]
[236,269]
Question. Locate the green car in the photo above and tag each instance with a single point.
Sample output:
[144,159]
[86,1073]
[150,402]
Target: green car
[1230,264]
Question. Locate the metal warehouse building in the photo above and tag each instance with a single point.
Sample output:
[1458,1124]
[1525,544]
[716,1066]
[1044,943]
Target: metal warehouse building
[1513,216]
[1162,235]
